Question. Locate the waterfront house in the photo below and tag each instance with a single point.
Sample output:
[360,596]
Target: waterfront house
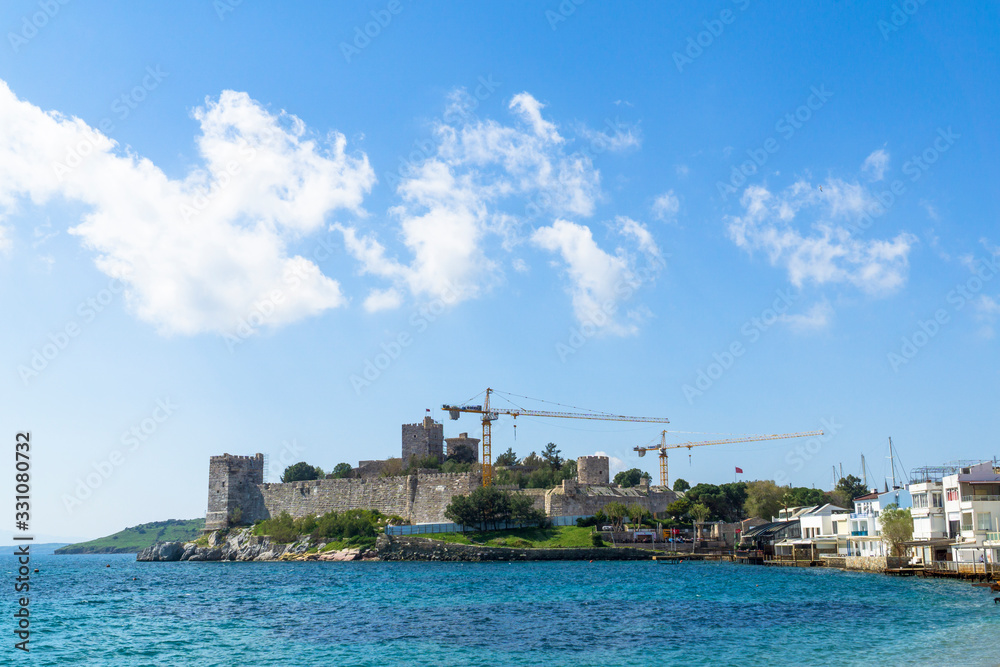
[931,539]
[822,534]
[972,509]
[866,531]
[757,543]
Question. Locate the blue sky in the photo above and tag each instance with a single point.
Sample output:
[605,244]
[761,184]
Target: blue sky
[216,217]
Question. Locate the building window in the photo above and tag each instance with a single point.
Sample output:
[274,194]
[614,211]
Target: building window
[952,494]
[936,499]
[984,521]
[919,500]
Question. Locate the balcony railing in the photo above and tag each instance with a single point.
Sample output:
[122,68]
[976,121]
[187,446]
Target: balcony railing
[967,528]
[993,537]
[862,515]
[981,499]
[859,533]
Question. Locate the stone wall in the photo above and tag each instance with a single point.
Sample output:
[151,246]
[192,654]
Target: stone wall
[390,495]
[574,499]
[432,493]
[874,563]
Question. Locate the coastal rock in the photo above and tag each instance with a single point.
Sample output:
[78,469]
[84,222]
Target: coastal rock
[162,552]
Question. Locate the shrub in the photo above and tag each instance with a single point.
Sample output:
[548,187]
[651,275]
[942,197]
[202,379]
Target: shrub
[597,540]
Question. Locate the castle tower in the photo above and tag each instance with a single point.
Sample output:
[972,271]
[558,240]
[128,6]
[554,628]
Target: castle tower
[422,440]
[463,439]
[232,490]
[593,470]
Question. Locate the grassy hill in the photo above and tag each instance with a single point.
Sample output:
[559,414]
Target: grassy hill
[135,539]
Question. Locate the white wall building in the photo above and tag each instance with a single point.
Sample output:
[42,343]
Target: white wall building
[865,528]
[972,510]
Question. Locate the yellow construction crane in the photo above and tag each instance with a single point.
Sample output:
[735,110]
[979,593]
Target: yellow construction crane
[663,446]
[490,414]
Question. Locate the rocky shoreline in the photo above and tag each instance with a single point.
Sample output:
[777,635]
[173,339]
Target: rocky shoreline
[241,545]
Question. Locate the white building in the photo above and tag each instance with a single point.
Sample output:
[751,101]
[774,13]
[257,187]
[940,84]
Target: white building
[824,530]
[931,541]
[972,510]
[865,528]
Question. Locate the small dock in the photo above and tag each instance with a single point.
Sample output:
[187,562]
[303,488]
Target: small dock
[794,563]
[910,571]
[677,558]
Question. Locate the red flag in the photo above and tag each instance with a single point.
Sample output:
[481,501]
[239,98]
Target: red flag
[739,471]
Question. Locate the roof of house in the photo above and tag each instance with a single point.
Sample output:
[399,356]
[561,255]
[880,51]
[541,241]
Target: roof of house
[984,473]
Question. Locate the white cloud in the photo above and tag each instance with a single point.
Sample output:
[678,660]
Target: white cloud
[531,110]
[666,206]
[682,170]
[828,252]
[201,253]
[932,211]
[472,186]
[5,241]
[623,138]
[385,299]
[520,265]
[987,311]
[628,227]
[596,277]
[876,164]
[816,318]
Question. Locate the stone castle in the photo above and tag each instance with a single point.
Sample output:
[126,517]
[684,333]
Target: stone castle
[237,492]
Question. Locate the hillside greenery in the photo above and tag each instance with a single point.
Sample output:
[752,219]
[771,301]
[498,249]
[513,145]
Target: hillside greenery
[135,539]
[353,527]
[525,538]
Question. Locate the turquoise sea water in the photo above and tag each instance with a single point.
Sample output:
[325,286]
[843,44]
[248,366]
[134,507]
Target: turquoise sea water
[572,613]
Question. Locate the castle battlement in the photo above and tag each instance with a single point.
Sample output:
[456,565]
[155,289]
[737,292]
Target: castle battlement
[232,458]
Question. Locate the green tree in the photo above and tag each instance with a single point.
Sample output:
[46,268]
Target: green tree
[392,468]
[429,462]
[342,470]
[679,509]
[628,478]
[615,511]
[508,458]
[452,465]
[851,487]
[637,513]
[681,485]
[487,508]
[700,514]
[551,455]
[764,499]
[897,528]
[462,454]
[724,501]
[803,496]
[301,472]
[533,460]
